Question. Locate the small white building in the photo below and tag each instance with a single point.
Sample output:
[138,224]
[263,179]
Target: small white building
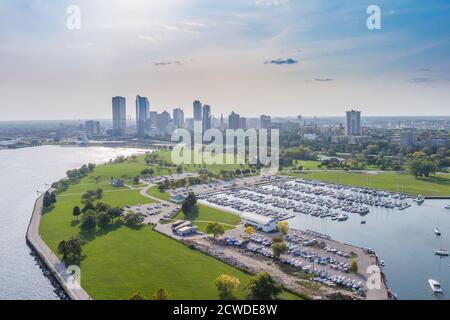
[184,228]
[259,222]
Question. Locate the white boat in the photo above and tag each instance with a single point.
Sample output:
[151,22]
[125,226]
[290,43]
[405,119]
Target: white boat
[382,263]
[419,200]
[435,286]
[342,217]
[437,232]
[441,252]
[447,207]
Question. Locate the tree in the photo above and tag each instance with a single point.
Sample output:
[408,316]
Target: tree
[133,219]
[137,296]
[71,248]
[88,206]
[49,199]
[283,227]
[89,221]
[354,267]
[103,219]
[161,294]
[215,229]
[76,211]
[136,179]
[278,248]
[226,285]
[115,213]
[263,287]
[249,230]
[186,207]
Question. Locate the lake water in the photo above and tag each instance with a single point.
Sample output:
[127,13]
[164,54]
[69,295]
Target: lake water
[23,172]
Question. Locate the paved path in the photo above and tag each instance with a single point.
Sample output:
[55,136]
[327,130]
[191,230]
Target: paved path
[56,266]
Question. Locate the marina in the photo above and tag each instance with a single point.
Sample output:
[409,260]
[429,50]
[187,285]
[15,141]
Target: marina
[400,236]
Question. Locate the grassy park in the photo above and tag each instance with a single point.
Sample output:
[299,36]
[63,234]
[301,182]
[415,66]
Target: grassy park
[438,185]
[118,260]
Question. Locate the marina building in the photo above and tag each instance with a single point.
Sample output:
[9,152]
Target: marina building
[259,222]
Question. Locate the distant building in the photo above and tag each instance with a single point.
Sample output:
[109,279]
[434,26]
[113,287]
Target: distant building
[243,123]
[177,198]
[408,137]
[184,228]
[153,119]
[353,127]
[197,110]
[163,123]
[117,183]
[119,111]
[259,222]
[234,121]
[178,118]
[142,115]
[206,120]
[92,128]
[265,122]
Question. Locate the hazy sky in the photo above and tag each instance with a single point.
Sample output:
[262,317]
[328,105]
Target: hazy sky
[279,57]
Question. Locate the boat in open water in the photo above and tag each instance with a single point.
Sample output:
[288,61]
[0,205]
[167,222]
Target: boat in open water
[437,232]
[441,252]
[435,286]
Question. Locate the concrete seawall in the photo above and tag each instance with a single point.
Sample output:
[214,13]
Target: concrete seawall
[48,258]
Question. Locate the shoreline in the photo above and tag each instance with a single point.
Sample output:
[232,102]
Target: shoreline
[54,266]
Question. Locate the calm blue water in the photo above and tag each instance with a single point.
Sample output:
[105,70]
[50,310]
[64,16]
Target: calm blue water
[404,239]
[22,173]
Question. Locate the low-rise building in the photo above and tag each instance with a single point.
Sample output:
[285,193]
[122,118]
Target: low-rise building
[259,222]
[117,183]
[184,228]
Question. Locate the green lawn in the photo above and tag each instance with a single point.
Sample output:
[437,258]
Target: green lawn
[398,182]
[118,260]
[205,213]
[154,191]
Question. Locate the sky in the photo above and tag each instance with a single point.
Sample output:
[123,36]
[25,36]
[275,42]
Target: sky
[277,57]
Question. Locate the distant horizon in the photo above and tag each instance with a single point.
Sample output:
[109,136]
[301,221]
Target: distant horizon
[309,117]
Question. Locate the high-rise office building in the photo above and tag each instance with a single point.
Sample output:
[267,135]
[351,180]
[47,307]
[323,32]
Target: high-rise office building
[92,128]
[243,123]
[142,115]
[265,122]
[119,111]
[197,110]
[408,137]
[163,121]
[234,121]
[206,120]
[353,127]
[178,118]
[153,119]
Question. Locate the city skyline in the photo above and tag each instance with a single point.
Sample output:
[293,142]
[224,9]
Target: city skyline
[313,59]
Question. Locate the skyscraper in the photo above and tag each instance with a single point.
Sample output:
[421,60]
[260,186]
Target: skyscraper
[178,118]
[119,116]
[142,115]
[197,110]
[234,121]
[265,122]
[242,123]
[92,128]
[206,121]
[353,127]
